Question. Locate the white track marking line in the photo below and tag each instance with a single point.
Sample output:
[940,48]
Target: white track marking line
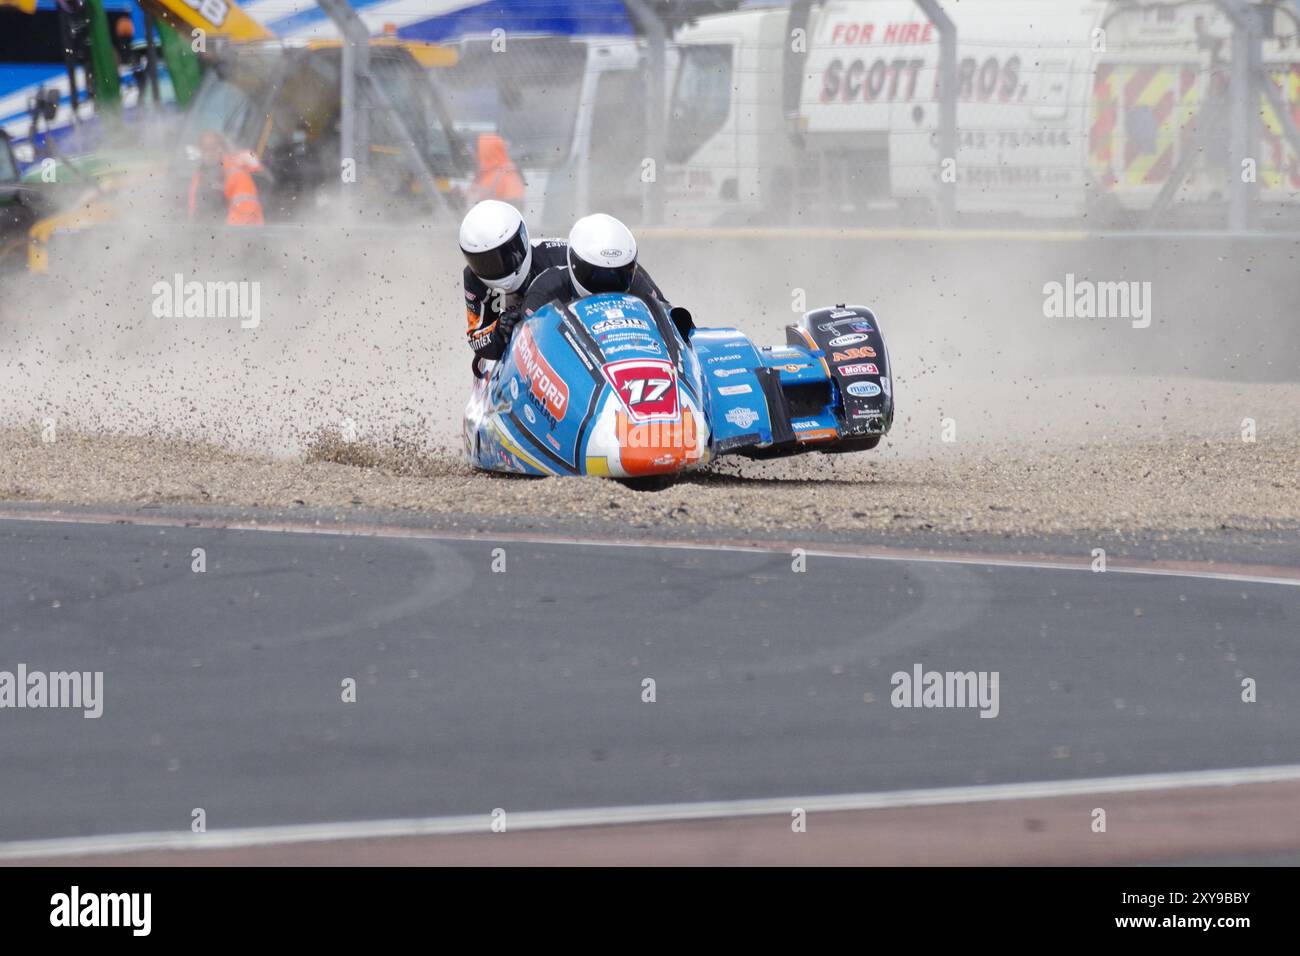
[866,553]
[654,813]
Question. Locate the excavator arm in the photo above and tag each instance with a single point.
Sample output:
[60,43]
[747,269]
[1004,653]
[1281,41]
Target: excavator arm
[213,17]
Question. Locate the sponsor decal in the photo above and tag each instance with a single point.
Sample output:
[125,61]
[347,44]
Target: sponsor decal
[529,414]
[816,434]
[742,417]
[853,338]
[841,313]
[783,353]
[861,368]
[792,367]
[868,413]
[734,389]
[805,425]
[646,387]
[658,435]
[860,327]
[646,345]
[533,402]
[551,390]
[551,438]
[470,296]
[724,372]
[715,359]
[615,322]
[633,336]
[514,389]
[862,389]
[848,355]
[657,446]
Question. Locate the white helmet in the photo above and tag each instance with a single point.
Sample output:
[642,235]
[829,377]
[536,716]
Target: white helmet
[495,242]
[602,255]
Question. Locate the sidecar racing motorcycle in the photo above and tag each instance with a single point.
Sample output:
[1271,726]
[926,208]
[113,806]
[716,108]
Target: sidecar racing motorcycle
[608,386]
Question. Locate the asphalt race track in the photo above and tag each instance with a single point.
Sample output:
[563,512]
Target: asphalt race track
[523,689]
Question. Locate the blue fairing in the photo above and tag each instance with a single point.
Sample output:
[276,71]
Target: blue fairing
[571,372]
[548,388]
[734,401]
[797,364]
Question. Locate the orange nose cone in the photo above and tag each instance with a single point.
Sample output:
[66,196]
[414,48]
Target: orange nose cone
[657,448]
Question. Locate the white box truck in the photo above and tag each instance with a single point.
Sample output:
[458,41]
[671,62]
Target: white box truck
[1064,108]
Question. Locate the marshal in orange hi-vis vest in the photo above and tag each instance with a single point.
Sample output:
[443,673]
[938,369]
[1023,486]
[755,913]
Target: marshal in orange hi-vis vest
[243,207]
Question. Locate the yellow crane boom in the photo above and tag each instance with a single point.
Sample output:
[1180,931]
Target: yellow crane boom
[214,17]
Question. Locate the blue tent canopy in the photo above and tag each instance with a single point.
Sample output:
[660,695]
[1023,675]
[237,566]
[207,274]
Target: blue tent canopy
[558,17]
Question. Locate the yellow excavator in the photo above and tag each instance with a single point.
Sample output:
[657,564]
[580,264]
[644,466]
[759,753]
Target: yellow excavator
[283,103]
[216,17]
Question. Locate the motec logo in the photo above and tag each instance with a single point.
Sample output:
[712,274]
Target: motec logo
[861,368]
[551,390]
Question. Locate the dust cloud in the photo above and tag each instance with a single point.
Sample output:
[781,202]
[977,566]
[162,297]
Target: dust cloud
[358,348]
[360,330]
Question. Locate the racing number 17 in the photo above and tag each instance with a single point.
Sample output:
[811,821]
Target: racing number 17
[636,389]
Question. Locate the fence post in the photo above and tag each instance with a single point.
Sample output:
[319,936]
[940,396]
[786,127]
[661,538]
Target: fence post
[1243,127]
[354,131]
[656,36]
[947,103]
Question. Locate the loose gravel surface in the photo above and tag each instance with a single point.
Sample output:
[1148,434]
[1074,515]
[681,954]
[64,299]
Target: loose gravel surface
[1171,484]
[1008,422]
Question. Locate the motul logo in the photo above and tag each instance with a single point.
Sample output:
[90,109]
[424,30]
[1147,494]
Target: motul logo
[550,389]
[852,338]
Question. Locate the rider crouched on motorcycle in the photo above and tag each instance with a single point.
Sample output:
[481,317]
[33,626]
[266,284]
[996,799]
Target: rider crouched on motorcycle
[501,266]
[601,257]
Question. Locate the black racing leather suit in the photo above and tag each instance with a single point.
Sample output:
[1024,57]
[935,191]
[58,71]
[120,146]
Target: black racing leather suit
[557,285]
[491,313]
